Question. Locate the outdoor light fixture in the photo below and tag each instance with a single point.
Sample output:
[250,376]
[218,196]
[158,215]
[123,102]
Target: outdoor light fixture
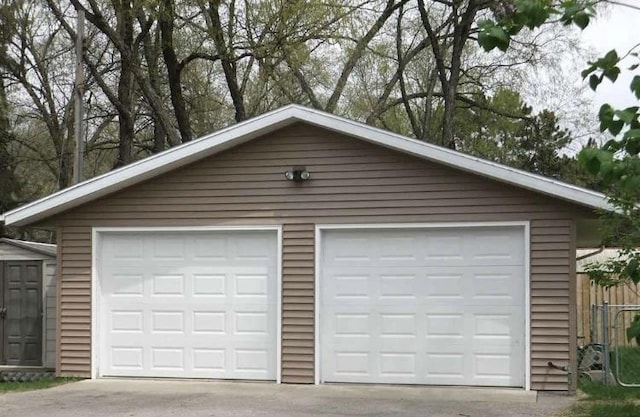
[297,174]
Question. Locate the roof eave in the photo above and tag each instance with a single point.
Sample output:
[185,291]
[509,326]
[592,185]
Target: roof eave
[18,244]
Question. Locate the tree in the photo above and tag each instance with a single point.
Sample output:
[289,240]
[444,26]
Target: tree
[617,163]
[448,52]
[542,141]
[8,181]
[160,72]
[29,58]
[506,131]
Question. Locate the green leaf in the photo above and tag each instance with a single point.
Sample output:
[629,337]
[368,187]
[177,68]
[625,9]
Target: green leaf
[635,86]
[588,71]
[615,127]
[492,36]
[632,141]
[486,42]
[631,270]
[612,146]
[589,158]
[581,20]
[594,81]
[633,144]
[611,73]
[533,12]
[606,111]
[633,330]
[627,115]
[611,58]
[500,37]
[605,114]
[632,134]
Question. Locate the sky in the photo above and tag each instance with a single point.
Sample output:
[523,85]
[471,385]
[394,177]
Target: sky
[618,28]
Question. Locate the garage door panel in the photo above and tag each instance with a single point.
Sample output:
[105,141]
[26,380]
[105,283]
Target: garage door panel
[187,309]
[353,365]
[398,286]
[445,369]
[209,360]
[423,306]
[498,247]
[348,286]
[125,357]
[398,365]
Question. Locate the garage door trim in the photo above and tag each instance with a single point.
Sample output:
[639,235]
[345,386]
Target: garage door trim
[525,225]
[97,232]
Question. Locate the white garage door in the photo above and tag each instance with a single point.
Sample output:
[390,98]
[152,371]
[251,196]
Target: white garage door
[432,306]
[192,304]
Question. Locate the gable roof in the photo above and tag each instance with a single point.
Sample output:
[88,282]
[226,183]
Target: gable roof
[242,132]
[40,248]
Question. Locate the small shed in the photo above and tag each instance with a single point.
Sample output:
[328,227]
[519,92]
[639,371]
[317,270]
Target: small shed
[27,304]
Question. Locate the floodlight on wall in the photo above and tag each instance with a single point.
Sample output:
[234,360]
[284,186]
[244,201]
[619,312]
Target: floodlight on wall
[297,174]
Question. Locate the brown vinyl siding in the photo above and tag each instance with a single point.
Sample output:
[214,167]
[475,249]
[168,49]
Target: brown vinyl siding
[352,182]
[298,303]
[74,305]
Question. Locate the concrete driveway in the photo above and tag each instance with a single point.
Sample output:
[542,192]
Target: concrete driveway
[142,398]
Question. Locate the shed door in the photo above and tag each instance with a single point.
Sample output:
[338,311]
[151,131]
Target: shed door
[431,306]
[21,314]
[194,304]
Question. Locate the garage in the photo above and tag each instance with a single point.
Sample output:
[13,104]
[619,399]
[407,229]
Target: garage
[437,305]
[302,247]
[187,304]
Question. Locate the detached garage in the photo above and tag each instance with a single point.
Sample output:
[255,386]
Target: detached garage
[301,247]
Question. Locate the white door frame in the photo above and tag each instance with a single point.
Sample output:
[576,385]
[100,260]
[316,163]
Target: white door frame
[525,225]
[95,281]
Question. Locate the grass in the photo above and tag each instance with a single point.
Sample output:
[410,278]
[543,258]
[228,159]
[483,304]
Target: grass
[34,385]
[629,358]
[605,410]
[597,391]
[613,400]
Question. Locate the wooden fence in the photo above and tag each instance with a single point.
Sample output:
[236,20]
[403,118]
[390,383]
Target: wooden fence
[589,294]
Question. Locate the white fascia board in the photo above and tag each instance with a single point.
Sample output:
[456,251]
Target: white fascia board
[242,132]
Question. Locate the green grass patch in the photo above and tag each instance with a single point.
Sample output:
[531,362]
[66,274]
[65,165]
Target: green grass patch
[600,392]
[607,401]
[625,363]
[605,409]
[34,385]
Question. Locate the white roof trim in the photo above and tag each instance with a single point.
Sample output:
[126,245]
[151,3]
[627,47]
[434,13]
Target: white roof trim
[36,247]
[268,122]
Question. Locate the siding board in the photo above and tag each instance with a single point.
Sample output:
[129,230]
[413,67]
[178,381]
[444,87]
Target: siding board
[352,182]
[298,321]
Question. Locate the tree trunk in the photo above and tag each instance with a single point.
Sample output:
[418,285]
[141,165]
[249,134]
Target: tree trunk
[7,179]
[166,21]
[448,130]
[227,61]
[126,82]
[152,49]
[449,72]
